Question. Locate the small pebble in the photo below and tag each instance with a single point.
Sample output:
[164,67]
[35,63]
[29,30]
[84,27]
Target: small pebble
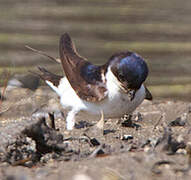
[138,117]
[81,177]
[181,151]
[179,121]
[94,142]
[126,137]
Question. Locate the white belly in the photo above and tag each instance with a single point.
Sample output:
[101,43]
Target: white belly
[116,104]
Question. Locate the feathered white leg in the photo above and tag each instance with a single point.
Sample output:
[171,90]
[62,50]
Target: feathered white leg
[70,119]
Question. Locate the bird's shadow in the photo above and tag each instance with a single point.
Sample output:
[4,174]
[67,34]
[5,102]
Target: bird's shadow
[129,123]
[83,124]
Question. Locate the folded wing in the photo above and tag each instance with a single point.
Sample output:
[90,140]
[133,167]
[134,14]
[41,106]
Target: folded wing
[85,78]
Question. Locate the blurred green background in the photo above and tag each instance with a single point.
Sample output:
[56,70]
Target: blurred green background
[160,31]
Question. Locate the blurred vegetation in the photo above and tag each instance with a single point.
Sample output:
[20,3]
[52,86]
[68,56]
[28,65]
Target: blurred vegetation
[160,31]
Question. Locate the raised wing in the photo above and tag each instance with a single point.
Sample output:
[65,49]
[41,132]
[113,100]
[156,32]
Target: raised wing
[84,77]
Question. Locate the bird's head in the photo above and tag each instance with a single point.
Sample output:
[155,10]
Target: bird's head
[130,70]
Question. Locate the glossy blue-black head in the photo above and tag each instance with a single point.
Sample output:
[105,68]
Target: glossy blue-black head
[130,69]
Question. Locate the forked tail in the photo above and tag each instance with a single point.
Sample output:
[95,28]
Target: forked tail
[51,79]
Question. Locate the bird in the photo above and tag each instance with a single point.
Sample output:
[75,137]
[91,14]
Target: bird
[114,88]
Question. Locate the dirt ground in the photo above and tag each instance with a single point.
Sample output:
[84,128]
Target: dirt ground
[152,144]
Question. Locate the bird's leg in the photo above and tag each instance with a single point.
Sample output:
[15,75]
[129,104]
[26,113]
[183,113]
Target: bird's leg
[70,120]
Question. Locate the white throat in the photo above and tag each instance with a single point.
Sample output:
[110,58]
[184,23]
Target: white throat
[112,82]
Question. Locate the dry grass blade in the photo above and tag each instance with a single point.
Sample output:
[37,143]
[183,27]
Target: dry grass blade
[96,151]
[100,123]
[44,54]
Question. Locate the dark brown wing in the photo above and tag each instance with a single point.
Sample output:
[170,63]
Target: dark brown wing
[84,77]
[148,95]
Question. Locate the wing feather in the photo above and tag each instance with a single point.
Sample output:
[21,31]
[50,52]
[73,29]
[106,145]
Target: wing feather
[84,77]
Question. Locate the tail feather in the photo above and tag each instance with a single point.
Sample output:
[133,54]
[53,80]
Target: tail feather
[48,76]
[148,94]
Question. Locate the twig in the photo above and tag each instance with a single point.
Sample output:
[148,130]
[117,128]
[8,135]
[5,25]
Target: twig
[44,54]
[7,75]
[157,123]
[96,151]
[52,120]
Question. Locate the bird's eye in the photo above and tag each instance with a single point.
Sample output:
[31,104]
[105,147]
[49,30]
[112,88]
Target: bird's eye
[121,77]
